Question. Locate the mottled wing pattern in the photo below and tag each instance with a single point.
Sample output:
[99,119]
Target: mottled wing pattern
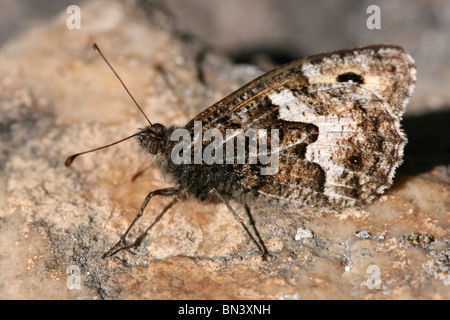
[338,116]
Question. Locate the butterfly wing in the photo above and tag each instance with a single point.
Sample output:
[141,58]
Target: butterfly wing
[338,117]
[384,69]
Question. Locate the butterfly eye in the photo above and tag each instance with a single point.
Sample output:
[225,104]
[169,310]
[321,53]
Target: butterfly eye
[350,77]
[153,146]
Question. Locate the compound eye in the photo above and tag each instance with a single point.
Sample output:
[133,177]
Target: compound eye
[153,146]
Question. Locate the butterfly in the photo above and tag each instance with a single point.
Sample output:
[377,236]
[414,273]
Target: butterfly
[337,119]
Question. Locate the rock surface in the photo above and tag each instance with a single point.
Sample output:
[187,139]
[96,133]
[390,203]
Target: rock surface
[58,97]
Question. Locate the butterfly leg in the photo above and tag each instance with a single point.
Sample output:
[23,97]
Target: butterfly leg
[252,222]
[160,192]
[262,247]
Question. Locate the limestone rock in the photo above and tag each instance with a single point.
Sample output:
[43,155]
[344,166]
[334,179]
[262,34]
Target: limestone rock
[58,97]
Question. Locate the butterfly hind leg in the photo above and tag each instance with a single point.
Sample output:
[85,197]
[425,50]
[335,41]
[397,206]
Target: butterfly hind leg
[261,246]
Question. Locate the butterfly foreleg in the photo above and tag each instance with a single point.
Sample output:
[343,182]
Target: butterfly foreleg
[121,244]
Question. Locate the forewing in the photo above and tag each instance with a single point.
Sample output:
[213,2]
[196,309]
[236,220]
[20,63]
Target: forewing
[385,70]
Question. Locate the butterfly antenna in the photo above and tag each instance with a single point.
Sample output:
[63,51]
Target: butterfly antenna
[96,48]
[70,159]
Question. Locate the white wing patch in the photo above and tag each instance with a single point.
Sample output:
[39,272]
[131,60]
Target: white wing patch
[293,109]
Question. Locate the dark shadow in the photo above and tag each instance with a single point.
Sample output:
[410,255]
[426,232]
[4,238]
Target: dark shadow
[276,56]
[428,142]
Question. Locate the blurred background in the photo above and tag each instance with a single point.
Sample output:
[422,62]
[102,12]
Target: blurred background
[277,31]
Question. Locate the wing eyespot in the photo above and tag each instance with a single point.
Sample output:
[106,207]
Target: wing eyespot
[350,77]
[355,161]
